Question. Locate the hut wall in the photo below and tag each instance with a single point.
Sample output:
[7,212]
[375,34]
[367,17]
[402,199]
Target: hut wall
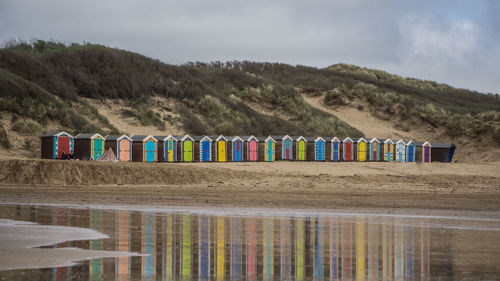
[279,150]
[197,151]
[261,151]
[47,147]
[439,154]
[341,151]
[328,151]
[180,156]
[111,144]
[355,149]
[311,151]
[82,149]
[160,146]
[418,153]
[137,151]
[229,151]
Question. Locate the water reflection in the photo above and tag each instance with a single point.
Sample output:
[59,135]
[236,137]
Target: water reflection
[218,247]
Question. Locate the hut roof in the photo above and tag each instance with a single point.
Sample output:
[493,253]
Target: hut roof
[335,139]
[220,137]
[236,138]
[442,145]
[183,138]
[401,141]
[374,140]
[298,138]
[347,139]
[361,140]
[88,136]
[56,134]
[312,139]
[142,137]
[419,143]
[198,138]
[206,137]
[262,138]
[160,138]
[178,137]
[411,141]
[117,137]
[170,137]
[270,138]
[248,138]
[281,137]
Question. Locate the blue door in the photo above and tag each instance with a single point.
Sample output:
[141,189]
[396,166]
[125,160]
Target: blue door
[205,151]
[335,151]
[270,151]
[320,151]
[237,151]
[150,151]
[411,153]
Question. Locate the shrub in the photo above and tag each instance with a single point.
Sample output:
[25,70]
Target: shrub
[27,127]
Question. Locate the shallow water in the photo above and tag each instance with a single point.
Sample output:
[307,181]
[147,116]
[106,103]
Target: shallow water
[287,245]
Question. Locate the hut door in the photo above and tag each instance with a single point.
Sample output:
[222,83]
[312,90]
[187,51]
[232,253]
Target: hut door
[348,151]
[320,151]
[302,150]
[335,151]
[411,153]
[374,152]
[388,152]
[427,154]
[221,153]
[237,149]
[170,150]
[252,150]
[287,150]
[97,149]
[205,151]
[150,151]
[124,153]
[270,151]
[188,151]
[62,146]
[362,151]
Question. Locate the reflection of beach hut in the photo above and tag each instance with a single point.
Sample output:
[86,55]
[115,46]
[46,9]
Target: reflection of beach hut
[170,149]
[237,149]
[186,149]
[55,144]
[423,152]
[121,146]
[319,149]
[400,155]
[300,148]
[388,150]
[347,145]
[284,147]
[410,151]
[442,152]
[221,149]
[89,146]
[144,148]
[373,150]
[361,145]
[252,148]
[335,150]
[203,148]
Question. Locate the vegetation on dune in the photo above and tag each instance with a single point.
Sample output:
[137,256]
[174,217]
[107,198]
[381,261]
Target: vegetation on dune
[44,81]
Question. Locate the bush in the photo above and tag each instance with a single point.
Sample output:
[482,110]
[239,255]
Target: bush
[4,140]
[27,127]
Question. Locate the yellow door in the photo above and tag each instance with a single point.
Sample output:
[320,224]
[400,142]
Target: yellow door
[362,152]
[222,151]
[170,150]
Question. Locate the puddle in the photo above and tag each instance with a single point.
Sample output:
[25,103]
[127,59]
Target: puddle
[242,245]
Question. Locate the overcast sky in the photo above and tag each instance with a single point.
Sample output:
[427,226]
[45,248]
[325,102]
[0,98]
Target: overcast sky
[451,41]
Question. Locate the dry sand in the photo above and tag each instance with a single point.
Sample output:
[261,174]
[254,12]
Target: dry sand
[18,242]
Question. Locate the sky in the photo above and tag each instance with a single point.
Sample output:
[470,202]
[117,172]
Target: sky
[449,41]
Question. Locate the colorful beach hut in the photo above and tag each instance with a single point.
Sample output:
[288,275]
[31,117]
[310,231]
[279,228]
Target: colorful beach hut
[269,149]
[373,150]
[89,146]
[221,149]
[347,145]
[186,149]
[300,148]
[252,148]
[237,149]
[284,147]
[335,149]
[423,152]
[442,152]
[361,145]
[388,150]
[400,155]
[54,144]
[205,148]
[160,146]
[121,146]
[319,149]
[170,149]
[410,151]
[144,148]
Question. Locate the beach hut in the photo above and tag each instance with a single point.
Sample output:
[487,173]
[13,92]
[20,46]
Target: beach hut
[400,155]
[300,148]
[185,148]
[388,150]
[54,144]
[319,149]
[347,145]
[221,149]
[423,152]
[144,148]
[269,149]
[89,146]
[252,148]
[373,150]
[442,152]
[283,147]
[361,145]
[205,148]
[160,146]
[410,151]
[335,150]
[121,146]
[237,149]
[170,149]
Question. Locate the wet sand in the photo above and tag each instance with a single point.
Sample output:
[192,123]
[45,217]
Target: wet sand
[410,188]
[19,241]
